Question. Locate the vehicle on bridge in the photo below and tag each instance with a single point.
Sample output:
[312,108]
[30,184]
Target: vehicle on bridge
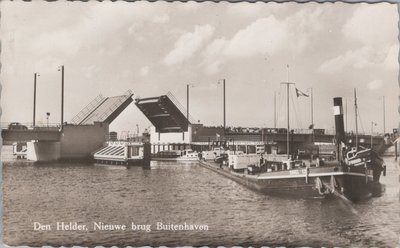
[17,126]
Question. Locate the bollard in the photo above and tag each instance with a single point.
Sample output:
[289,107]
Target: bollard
[307,172]
[146,154]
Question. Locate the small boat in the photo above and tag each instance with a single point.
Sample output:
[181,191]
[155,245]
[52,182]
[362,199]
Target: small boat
[176,155]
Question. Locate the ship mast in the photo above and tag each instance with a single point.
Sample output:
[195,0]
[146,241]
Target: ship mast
[288,115]
[355,109]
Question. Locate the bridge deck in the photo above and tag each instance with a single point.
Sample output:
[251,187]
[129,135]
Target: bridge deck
[31,134]
[103,109]
[164,113]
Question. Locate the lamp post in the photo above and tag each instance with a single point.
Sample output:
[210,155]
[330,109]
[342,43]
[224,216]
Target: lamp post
[187,100]
[61,68]
[34,98]
[274,109]
[224,105]
[47,117]
[372,130]
[384,117]
[312,112]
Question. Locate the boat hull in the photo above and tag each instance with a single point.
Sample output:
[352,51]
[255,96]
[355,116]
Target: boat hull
[311,182]
[176,159]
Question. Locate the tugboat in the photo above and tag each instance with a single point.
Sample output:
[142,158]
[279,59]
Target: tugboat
[353,175]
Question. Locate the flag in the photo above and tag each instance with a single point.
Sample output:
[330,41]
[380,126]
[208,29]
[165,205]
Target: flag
[299,93]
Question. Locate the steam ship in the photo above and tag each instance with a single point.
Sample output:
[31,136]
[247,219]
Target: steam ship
[353,175]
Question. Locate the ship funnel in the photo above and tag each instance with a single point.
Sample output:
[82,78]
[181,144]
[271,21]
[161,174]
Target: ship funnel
[339,125]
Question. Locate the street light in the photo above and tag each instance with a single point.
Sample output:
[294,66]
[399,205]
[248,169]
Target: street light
[47,117]
[61,68]
[372,130]
[187,100]
[34,98]
[223,85]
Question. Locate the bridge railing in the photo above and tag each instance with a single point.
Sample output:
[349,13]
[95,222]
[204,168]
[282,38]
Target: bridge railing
[21,126]
[125,137]
[180,107]
[115,105]
[87,109]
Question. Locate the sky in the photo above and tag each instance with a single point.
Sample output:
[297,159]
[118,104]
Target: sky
[153,48]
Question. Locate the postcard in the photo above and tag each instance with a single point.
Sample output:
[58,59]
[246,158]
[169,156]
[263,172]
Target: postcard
[199,124]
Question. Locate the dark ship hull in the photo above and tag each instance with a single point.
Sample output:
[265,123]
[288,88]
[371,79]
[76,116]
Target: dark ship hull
[342,181]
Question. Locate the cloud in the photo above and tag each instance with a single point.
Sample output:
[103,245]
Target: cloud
[364,57]
[392,59]
[97,26]
[262,36]
[374,85]
[367,26]
[266,35]
[189,43]
[375,37]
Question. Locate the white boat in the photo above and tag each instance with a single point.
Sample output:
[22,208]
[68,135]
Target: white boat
[176,155]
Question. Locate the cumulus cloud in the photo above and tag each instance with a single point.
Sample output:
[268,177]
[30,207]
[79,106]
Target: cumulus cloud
[188,44]
[267,35]
[364,57]
[374,85]
[97,26]
[392,59]
[375,36]
[368,27]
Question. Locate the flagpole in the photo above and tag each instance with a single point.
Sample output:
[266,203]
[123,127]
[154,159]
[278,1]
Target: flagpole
[288,118]
[346,115]
[312,114]
[274,109]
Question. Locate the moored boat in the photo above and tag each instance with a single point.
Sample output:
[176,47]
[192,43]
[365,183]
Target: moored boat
[176,155]
[353,175]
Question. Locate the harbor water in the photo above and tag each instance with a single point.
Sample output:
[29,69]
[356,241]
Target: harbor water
[183,194]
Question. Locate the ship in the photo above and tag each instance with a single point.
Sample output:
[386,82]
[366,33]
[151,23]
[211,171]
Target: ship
[353,175]
[176,155]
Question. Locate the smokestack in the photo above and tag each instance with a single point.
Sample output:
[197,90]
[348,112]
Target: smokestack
[339,124]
